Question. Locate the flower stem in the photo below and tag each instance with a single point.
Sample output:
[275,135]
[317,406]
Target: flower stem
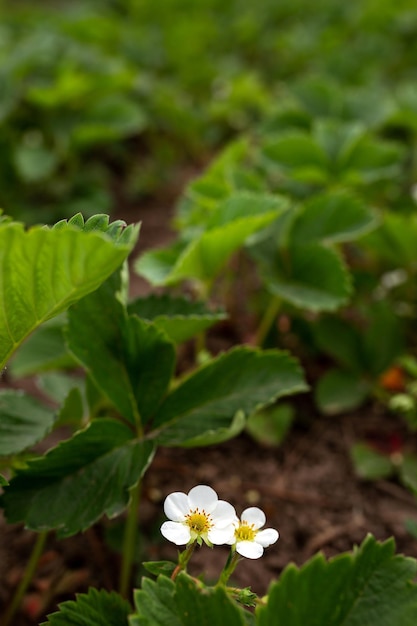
[267,320]
[183,560]
[229,568]
[27,577]
[129,540]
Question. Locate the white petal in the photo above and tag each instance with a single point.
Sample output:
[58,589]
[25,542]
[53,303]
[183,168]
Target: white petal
[254,516]
[224,514]
[203,497]
[249,549]
[176,532]
[176,506]
[219,536]
[267,537]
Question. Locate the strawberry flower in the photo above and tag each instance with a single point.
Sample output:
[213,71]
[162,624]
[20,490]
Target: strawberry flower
[198,516]
[249,541]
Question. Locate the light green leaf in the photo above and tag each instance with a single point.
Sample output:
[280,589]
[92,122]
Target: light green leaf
[80,480]
[339,391]
[309,276]
[35,163]
[44,271]
[205,256]
[3,481]
[333,217]
[245,204]
[178,317]
[370,586]
[23,421]
[129,359]
[240,381]
[157,264]
[96,608]
[369,463]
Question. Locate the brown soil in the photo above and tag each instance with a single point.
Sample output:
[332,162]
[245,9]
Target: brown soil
[307,488]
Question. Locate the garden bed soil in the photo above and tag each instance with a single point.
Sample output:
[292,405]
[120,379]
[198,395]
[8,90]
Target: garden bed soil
[307,488]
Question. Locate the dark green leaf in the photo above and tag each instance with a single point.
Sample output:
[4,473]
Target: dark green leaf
[129,359]
[155,604]
[80,480]
[339,391]
[160,567]
[238,382]
[23,421]
[369,586]
[44,350]
[96,608]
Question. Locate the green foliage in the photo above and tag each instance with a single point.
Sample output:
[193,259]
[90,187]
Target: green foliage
[219,395]
[95,608]
[371,585]
[129,359]
[44,271]
[23,421]
[179,318]
[80,480]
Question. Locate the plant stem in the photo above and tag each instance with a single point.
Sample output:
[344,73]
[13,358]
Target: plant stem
[267,320]
[183,560]
[229,568]
[129,540]
[27,577]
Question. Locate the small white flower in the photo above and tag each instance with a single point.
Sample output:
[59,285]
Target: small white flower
[199,516]
[248,539]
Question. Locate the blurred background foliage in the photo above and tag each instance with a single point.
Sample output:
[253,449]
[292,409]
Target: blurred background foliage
[104,103]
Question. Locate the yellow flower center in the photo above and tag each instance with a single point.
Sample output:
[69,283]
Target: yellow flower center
[198,521]
[244,532]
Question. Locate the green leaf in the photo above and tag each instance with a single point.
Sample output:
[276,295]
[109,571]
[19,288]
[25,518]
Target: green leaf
[296,151]
[95,608]
[240,381]
[205,256]
[44,271]
[339,391]
[183,603]
[333,217]
[373,159]
[341,341]
[160,567]
[395,240]
[80,480]
[270,426]
[156,265]
[35,163]
[370,586]
[3,481]
[23,421]
[308,276]
[44,350]
[382,321]
[178,317]
[129,359]
[155,604]
[245,204]
[408,472]
[213,606]
[369,463]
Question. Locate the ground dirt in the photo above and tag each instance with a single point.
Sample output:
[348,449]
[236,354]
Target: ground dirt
[307,488]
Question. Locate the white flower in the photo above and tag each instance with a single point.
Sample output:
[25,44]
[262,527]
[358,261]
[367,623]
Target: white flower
[249,540]
[198,516]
